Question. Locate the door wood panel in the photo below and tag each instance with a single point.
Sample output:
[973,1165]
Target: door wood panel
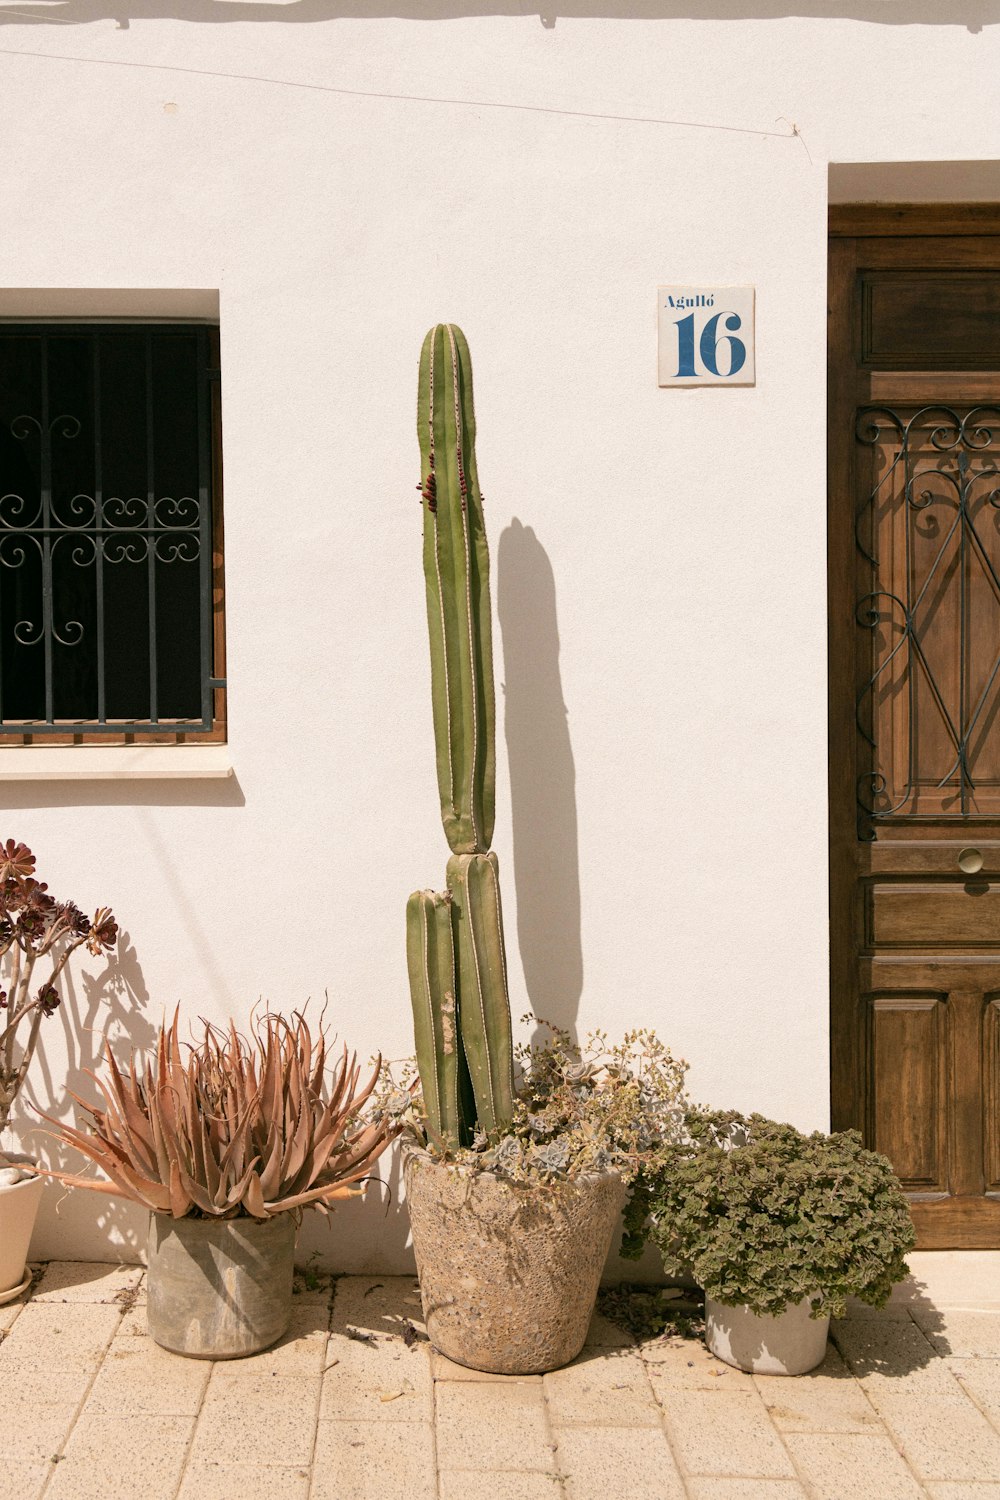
[907,1083]
[936,916]
[897,333]
[914,558]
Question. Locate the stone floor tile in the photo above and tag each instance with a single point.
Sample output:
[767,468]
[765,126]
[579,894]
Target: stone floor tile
[461,1484]
[980,1379]
[356,1461]
[377,1304]
[103,1459]
[602,1387]
[48,1380]
[574,1434]
[894,1311]
[48,1332]
[942,1437]
[259,1419]
[598,1463]
[384,1381]
[475,1430]
[30,1432]
[300,1351]
[954,1278]
[687,1364]
[133,1323]
[137,1376]
[20,1480]
[745,1489]
[447,1369]
[8,1314]
[83,1281]
[603,1334]
[722,1433]
[852,1466]
[884,1352]
[205,1481]
[961,1490]
[961,1331]
[828,1399]
[53,1352]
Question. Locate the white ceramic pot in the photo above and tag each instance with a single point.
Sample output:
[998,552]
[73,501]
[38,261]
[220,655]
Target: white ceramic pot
[508,1271]
[788,1343]
[219,1288]
[18,1207]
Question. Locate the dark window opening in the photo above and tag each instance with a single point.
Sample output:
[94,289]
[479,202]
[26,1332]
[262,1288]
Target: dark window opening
[110,532]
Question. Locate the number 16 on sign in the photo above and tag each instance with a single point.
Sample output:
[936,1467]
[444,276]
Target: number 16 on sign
[706,335]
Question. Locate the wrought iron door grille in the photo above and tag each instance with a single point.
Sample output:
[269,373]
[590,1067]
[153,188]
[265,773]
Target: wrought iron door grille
[106,590]
[928,543]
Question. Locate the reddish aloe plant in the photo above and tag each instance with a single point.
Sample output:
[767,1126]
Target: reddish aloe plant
[226,1126]
[34,926]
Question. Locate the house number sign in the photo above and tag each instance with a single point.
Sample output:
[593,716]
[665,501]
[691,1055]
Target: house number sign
[705,335]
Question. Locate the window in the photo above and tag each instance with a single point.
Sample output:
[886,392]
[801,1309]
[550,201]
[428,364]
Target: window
[111,577]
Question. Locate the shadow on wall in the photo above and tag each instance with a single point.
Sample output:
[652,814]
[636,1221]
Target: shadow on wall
[363,1235]
[971,14]
[96,1007]
[542,780]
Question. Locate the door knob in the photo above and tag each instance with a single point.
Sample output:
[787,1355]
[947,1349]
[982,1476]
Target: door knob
[970,861]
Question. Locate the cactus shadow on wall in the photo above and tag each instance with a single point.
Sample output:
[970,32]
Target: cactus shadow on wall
[542,779]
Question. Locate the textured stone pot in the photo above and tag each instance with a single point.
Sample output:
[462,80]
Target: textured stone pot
[508,1272]
[788,1343]
[18,1208]
[219,1288]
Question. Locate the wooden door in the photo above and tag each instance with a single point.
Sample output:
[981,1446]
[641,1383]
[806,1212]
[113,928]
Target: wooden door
[914,545]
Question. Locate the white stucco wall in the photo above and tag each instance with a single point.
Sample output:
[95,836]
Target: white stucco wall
[344,180]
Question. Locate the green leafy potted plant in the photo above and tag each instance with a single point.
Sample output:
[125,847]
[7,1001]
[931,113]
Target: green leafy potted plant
[515,1193]
[780,1228]
[225,1140]
[38,935]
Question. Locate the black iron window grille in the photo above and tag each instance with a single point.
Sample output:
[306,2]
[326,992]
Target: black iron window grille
[110,568]
[928,540]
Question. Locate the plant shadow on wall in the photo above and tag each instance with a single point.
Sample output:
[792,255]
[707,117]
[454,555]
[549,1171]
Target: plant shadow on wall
[542,780]
[108,1004]
[105,1005]
[971,14]
[174,875]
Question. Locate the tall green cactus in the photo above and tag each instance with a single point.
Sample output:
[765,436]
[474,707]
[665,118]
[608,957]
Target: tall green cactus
[455,951]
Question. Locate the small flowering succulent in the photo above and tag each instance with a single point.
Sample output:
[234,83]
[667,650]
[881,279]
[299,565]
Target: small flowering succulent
[580,1109]
[34,926]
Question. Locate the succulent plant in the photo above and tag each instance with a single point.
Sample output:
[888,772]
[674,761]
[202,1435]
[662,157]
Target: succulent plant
[763,1216]
[455,946]
[234,1127]
[35,926]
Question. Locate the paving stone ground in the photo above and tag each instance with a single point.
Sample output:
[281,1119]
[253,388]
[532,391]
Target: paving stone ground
[354,1405]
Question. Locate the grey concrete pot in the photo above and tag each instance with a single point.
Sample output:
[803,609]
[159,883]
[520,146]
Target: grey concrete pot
[219,1288]
[788,1343]
[508,1272]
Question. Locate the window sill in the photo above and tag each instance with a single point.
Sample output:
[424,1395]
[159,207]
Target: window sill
[114,762]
